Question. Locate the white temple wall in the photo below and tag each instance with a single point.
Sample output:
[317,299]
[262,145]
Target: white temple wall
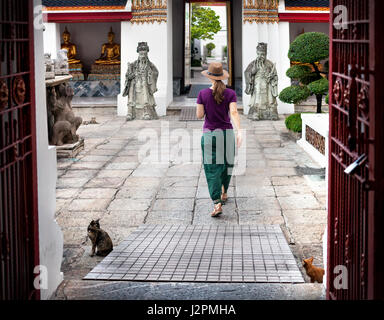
[52,39]
[50,235]
[159,39]
[276,35]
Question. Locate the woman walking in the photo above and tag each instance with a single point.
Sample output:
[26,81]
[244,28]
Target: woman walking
[218,104]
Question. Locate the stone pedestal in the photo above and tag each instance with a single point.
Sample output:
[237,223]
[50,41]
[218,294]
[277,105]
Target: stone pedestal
[70,150]
[76,71]
[104,72]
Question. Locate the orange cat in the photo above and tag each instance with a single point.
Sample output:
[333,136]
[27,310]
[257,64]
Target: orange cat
[315,273]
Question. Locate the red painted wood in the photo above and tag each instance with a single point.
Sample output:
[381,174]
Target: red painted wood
[356,202]
[304,17]
[19,236]
[76,17]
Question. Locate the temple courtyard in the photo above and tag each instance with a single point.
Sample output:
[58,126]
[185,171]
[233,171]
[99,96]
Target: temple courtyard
[280,185]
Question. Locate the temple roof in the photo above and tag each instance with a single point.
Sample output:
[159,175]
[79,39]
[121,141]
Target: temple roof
[84,4]
[307,5]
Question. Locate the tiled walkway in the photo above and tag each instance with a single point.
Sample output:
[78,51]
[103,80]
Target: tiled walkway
[224,253]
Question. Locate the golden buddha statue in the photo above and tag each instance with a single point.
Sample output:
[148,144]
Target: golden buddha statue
[70,47]
[110,52]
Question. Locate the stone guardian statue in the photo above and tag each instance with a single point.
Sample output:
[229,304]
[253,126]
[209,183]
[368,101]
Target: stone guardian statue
[261,84]
[140,85]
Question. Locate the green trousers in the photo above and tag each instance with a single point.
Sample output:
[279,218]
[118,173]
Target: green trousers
[218,148]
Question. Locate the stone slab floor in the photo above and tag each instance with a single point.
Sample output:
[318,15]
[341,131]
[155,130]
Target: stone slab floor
[106,181]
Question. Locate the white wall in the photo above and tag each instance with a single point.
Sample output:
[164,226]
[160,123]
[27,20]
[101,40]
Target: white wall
[50,235]
[276,35]
[159,39]
[52,39]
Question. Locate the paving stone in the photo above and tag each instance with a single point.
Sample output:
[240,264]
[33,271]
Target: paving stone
[87,165]
[75,235]
[97,193]
[129,204]
[79,173]
[126,159]
[169,217]
[184,170]
[173,204]
[102,152]
[89,204]
[122,166]
[136,193]
[281,163]
[92,158]
[113,173]
[302,201]
[62,204]
[79,219]
[65,183]
[284,191]
[105,183]
[258,203]
[123,218]
[68,193]
[288,181]
[143,182]
[150,170]
[177,192]
[305,216]
[177,182]
[248,190]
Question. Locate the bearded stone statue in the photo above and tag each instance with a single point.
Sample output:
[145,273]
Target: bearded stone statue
[140,85]
[261,84]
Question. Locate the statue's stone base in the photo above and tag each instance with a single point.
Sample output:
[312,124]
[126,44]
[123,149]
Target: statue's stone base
[262,115]
[70,150]
[102,88]
[139,115]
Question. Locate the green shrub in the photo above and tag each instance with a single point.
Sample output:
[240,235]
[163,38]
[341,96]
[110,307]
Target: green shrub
[294,94]
[210,46]
[327,99]
[196,63]
[294,123]
[319,87]
[309,47]
[299,71]
[307,50]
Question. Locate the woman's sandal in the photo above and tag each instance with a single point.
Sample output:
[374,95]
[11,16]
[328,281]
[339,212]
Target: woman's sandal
[217,210]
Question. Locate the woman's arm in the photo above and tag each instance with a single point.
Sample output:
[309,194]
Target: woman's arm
[200,111]
[236,121]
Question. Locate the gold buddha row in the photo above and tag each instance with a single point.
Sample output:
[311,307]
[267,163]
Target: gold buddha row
[110,51]
[149,4]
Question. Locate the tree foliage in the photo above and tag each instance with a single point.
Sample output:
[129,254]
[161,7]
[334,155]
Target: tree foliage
[205,23]
[307,51]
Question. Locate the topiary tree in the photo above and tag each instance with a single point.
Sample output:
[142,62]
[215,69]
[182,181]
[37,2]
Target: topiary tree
[210,46]
[306,51]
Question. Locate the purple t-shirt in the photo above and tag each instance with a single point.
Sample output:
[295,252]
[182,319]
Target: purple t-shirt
[216,115]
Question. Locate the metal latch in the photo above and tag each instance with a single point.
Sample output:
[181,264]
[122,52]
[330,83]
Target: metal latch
[356,164]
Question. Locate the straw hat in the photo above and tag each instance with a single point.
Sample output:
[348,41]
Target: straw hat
[215,72]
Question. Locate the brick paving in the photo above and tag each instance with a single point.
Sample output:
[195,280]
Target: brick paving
[107,181]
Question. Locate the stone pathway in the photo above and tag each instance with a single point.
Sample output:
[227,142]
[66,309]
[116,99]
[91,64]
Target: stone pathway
[281,185]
